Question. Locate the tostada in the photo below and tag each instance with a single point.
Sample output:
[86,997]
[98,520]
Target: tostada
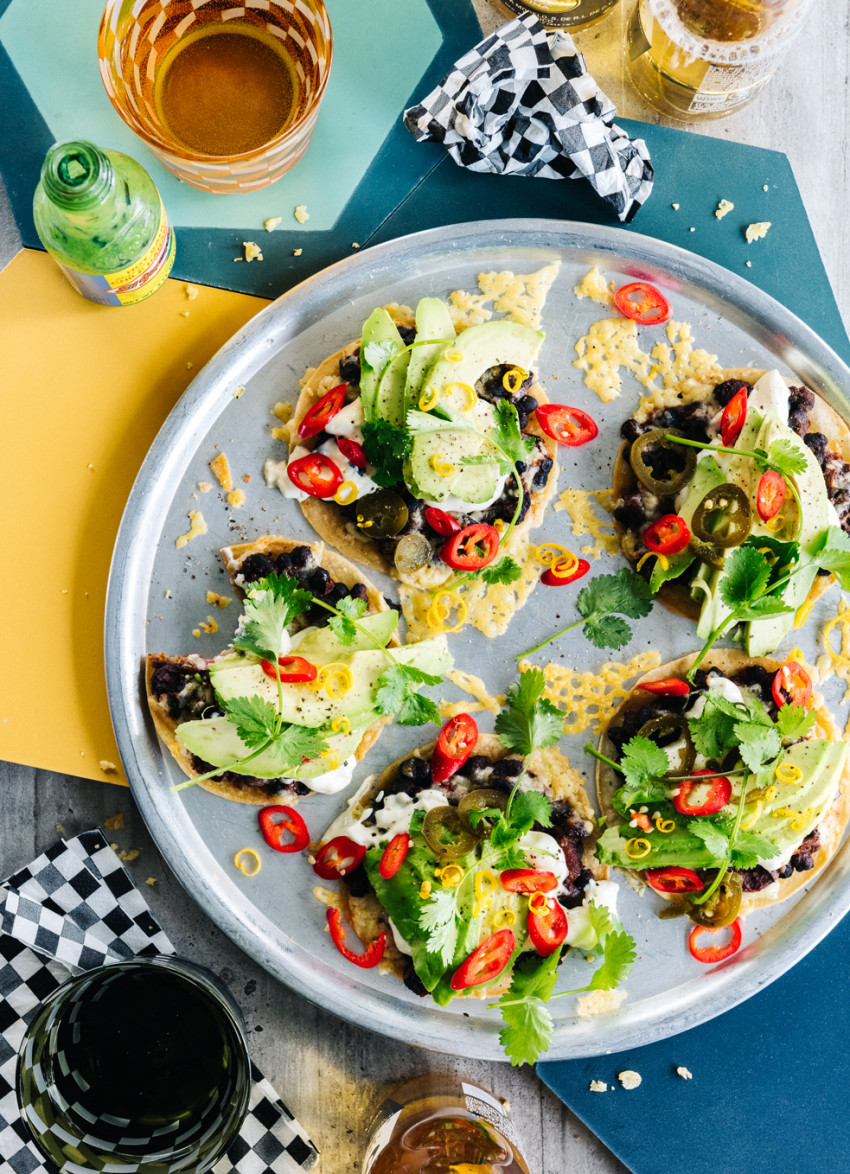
[754,463]
[422,451]
[252,730]
[725,794]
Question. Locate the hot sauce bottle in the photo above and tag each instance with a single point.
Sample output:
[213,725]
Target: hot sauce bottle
[443,1125]
[100,217]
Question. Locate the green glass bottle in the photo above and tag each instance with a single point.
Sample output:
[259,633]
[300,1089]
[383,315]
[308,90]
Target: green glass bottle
[101,219]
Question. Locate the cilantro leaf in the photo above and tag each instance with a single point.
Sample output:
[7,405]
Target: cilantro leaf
[528,1022]
[531,807]
[295,743]
[350,608]
[608,632]
[254,717]
[507,433]
[619,951]
[626,593]
[396,694]
[759,609]
[529,719]
[378,355]
[506,570]
[749,849]
[785,457]
[757,744]
[386,448]
[795,721]
[714,838]
[643,759]
[785,553]
[713,732]
[747,574]
[835,555]
[438,920]
[271,605]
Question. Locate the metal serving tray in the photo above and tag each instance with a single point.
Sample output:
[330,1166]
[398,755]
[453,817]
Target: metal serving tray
[157,595]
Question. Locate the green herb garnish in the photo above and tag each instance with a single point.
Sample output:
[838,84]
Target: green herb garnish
[602,604]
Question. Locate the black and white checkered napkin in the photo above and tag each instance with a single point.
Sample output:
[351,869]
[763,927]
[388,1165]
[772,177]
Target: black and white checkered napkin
[77,905]
[522,103]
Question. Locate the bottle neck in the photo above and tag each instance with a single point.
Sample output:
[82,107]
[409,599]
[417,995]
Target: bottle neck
[77,176]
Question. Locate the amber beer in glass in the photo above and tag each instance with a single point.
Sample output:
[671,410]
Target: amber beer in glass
[436,1125]
[700,59]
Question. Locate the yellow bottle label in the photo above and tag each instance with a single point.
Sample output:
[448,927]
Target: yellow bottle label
[134,282]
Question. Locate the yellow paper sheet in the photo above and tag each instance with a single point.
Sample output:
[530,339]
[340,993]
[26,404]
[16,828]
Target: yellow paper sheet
[85,390]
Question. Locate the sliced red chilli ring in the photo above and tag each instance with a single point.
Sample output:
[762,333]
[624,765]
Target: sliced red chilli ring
[315,474]
[440,521]
[643,303]
[323,410]
[567,425]
[352,451]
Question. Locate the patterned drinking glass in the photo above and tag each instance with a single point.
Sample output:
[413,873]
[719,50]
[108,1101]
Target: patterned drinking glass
[135,38]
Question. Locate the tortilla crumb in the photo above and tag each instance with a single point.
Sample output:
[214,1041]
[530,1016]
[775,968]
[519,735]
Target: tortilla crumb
[107,767]
[151,880]
[598,1086]
[221,468]
[196,632]
[723,208]
[756,232]
[238,392]
[253,252]
[209,627]
[197,526]
[221,601]
[128,856]
[685,1073]
[271,223]
[301,214]
[191,292]
[630,1079]
[115,823]
[246,477]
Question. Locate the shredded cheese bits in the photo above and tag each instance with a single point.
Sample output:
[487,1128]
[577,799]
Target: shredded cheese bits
[248,861]
[197,526]
[579,505]
[591,697]
[440,612]
[519,296]
[283,412]
[220,601]
[476,688]
[593,286]
[220,467]
[835,638]
[235,498]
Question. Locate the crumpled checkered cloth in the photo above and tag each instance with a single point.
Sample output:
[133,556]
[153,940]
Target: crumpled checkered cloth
[76,905]
[522,103]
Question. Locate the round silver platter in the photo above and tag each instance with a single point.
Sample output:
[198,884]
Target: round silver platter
[157,596]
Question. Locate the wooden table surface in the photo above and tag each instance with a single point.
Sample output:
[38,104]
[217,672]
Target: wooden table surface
[329,1072]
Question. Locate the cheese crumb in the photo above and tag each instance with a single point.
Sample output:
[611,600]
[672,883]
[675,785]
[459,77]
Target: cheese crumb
[520,296]
[252,251]
[301,214]
[60,827]
[685,1073]
[691,229]
[246,477]
[590,698]
[236,498]
[599,1003]
[238,392]
[297,252]
[598,1086]
[115,823]
[197,526]
[355,245]
[283,412]
[209,627]
[749,264]
[630,1079]
[756,232]
[107,767]
[184,313]
[189,366]
[128,856]
[722,208]
[594,286]
[221,601]
[765,188]
[151,881]
[675,207]
[271,224]
[221,468]
[204,486]
[577,504]
[192,292]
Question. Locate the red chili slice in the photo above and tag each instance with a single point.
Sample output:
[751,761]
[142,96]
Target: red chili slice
[548,928]
[291,822]
[711,954]
[669,535]
[669,687]
[372,954]
[338,857]
[792,685]
[352,451]
[569,426]
[734,417]
[770,496]
[322,411]
[649,309]
[552,579]
[315,474]
[454,745]
[471,548]
[291,669]
[440,521]
[485,963]
[528,880]
[673,880]
[718,796]
[394,854]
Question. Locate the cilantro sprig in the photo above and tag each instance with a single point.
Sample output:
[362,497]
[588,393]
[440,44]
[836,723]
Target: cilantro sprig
[602,605]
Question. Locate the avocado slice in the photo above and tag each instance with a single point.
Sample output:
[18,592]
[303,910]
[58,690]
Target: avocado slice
[478,348]
[217,742]
[475,484]
[321,646]
[380,328]
[432,321]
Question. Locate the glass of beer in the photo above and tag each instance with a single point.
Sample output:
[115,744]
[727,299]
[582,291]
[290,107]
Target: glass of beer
[561,14]
[225,94]
[137,1066]
[700,59]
